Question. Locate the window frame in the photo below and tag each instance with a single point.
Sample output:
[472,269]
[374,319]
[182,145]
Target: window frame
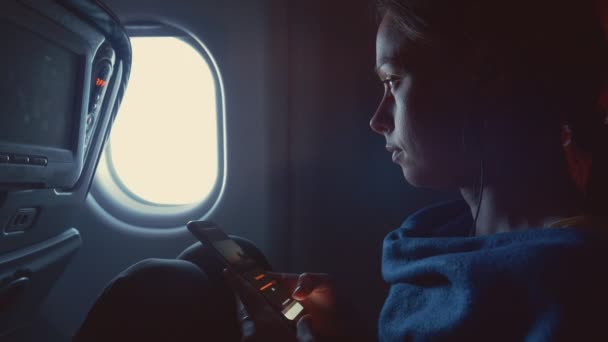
[115,199]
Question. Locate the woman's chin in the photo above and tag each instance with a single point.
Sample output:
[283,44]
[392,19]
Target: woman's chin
[420,178]
[414,179]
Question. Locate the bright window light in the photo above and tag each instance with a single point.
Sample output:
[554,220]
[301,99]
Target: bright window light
[164,143]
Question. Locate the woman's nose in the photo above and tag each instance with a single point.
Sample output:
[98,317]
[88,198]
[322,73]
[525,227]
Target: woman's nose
[382,120]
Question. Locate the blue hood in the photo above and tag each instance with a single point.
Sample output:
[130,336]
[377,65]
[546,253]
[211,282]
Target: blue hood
[533,285]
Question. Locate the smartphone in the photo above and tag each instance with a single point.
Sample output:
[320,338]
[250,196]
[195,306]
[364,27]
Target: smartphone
[237,260]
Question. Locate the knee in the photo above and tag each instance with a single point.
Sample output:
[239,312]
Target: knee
[153,285]
[150,276]
[157,299]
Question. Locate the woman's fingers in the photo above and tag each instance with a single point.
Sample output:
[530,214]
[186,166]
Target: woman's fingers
[316,292]
[310,282]
[302,285]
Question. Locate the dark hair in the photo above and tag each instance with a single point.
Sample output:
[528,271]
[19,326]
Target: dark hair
[556,48]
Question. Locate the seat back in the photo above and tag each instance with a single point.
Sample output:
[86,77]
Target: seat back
[65,66]
[27,276]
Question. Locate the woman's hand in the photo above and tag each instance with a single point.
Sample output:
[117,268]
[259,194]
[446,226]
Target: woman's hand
[314,291]
[317,293]
[259,321]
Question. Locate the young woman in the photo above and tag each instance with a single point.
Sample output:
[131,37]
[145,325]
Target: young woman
[503,100]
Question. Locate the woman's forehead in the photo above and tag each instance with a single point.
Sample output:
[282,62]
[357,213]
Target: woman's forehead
[395,48]
[390,42]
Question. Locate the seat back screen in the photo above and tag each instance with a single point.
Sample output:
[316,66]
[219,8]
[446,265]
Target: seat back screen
[38,89]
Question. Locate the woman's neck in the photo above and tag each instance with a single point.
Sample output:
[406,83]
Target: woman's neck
[520,205]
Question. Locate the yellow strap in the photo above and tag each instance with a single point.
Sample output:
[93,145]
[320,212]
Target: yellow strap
[581,222]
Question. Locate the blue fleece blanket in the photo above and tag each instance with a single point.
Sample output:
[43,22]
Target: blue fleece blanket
[543,284]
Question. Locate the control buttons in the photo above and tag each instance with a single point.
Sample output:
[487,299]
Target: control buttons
[40,161]
[96,103]
[104,73]
[90,121]
[89,128]
[23,160]
[20,159]
[101,82]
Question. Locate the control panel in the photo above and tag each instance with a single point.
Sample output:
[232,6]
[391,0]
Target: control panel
[102,72]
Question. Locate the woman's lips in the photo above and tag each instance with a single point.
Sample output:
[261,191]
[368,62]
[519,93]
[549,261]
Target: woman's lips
[396,152]
[397,155]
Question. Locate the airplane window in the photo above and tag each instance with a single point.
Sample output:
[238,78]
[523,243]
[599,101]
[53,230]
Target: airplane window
[163,148]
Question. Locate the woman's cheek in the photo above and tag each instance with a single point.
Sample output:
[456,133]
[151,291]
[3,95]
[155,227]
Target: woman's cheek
[431,135]
[404,130]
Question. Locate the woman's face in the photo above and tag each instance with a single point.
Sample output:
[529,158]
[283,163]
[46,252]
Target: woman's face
[429,94]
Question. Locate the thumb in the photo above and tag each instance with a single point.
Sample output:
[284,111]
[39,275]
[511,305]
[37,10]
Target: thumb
[307,283]
[304,329]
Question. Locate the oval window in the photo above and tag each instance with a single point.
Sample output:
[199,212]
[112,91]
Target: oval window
[163,162]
